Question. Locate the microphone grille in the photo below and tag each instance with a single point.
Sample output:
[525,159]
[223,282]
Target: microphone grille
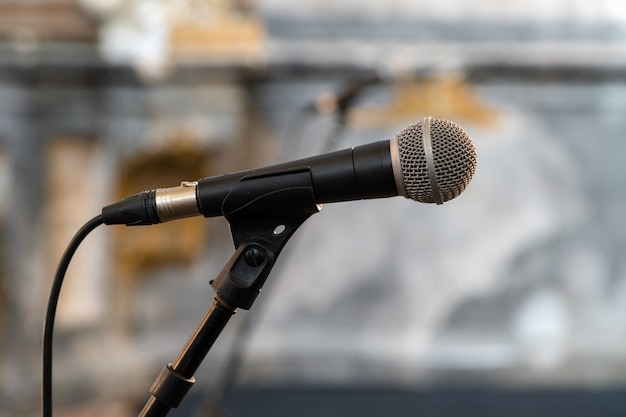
[436,166]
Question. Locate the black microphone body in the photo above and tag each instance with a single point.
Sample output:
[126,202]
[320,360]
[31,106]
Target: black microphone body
[363,172]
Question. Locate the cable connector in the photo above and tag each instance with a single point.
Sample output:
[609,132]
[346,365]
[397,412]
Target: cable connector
[155,206]
[138,209]
[177,202]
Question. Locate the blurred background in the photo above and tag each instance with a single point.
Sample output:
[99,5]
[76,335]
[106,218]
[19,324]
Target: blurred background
[509,300]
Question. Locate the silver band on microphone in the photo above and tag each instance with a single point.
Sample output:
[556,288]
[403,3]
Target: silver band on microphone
[430,160]
[396,164]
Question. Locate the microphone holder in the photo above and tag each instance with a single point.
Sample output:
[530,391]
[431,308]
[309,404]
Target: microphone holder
[263,213]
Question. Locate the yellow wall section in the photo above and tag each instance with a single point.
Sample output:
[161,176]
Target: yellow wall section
[444,97]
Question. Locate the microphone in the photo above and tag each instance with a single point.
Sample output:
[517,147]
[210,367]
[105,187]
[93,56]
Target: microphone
[431,161]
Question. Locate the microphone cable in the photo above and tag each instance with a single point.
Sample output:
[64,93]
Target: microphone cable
[46,383]
[336,103]
[79,237]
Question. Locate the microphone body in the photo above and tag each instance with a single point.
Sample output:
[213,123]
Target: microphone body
[431,162]
[363,172]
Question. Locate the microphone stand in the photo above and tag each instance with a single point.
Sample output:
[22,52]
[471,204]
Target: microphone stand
[263,213]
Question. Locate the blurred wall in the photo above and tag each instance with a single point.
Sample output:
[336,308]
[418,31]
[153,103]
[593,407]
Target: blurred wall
[517,283]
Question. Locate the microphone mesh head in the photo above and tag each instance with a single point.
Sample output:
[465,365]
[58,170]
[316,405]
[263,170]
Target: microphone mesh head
[453,155]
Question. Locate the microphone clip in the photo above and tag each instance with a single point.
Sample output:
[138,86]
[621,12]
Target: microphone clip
[263,211]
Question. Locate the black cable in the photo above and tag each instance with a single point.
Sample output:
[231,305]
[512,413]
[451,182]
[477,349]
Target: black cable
[48,327]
